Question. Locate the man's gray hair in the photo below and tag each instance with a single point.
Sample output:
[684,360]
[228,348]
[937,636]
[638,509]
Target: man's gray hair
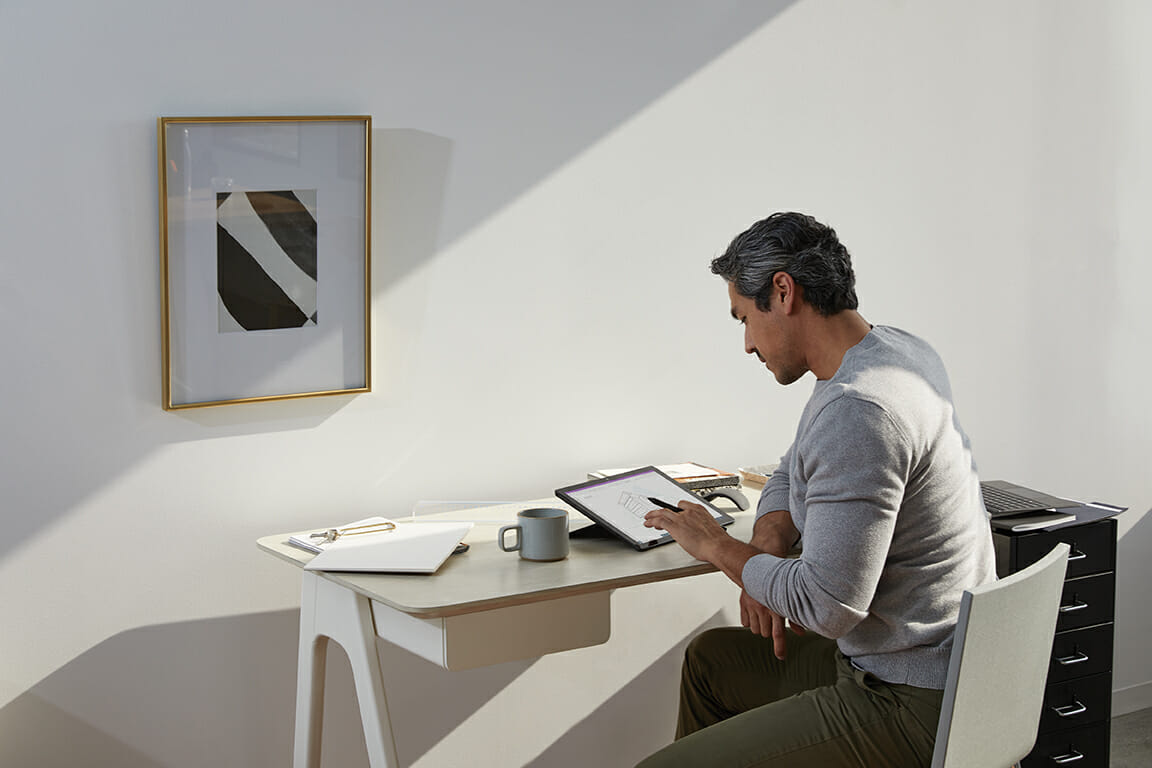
[802,247]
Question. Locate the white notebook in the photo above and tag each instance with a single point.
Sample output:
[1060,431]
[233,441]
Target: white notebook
[412,547]
[1037,521]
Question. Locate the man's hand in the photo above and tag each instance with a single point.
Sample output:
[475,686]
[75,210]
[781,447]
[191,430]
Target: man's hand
[692,526]
[701,536]
[765,623]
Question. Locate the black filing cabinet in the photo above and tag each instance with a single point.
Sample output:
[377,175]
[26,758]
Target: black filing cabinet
[1076,718]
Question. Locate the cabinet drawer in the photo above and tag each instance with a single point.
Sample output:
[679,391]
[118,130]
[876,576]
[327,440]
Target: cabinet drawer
[1072,703]
[1086,601]
[1093,548]
[1081,652]
[1079,748]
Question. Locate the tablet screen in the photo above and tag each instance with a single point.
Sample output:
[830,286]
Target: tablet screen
[620,503]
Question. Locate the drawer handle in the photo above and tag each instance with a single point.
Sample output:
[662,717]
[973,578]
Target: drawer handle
[1077,605]
[1068,710]
[1075,658]
[1076,554]
[1071,757]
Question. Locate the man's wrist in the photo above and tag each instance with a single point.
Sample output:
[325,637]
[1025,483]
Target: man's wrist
[730,556]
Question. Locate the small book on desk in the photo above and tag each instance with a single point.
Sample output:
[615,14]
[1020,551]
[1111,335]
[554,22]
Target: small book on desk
[379,545]
[1035,521]
[691,475]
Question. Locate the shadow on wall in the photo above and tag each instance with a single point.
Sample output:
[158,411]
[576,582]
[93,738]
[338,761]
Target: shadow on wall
[34,732]
[148,697]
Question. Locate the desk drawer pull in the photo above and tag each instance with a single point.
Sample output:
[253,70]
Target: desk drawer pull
[1075,658]
[1071,757]
[1077,605]
[1076,554]
[1068,710]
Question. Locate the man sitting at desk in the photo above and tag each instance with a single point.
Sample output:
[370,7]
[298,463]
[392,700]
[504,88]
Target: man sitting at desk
[880,490]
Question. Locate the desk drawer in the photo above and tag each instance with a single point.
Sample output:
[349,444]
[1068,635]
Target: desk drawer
[1086,601]
[1081,652]
[1072,703]
[1093,549]
[1078,748]
[496,635]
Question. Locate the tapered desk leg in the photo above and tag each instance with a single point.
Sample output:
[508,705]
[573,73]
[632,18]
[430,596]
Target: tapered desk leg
[330,611]
[309,680]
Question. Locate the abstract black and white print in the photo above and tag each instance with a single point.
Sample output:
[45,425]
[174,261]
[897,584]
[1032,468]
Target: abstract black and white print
[266,259]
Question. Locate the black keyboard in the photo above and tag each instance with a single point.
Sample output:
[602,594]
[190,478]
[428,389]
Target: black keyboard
[1001,502]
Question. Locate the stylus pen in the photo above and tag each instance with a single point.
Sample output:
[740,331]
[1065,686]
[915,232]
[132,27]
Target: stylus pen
[664,504]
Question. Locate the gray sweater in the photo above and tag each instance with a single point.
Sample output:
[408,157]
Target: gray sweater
[881,483]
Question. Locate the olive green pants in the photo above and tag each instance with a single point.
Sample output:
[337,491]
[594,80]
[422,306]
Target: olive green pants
[740,706]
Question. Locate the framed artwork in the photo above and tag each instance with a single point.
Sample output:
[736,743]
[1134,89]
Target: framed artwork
[264,240]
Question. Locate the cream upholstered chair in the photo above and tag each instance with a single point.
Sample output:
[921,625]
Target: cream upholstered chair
[999,667]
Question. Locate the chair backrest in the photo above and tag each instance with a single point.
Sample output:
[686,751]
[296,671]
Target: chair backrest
[999,666]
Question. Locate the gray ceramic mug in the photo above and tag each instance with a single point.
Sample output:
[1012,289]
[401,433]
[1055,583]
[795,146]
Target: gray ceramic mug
[541,535]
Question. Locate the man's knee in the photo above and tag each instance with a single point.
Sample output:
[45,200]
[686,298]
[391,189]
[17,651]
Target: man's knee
[706,649]
[698,646]
[712,643]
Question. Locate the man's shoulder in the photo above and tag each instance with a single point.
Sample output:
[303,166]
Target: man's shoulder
[887,356]
[893,371]
[899,342]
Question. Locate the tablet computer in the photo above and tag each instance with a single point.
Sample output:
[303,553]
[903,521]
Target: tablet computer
[619,503]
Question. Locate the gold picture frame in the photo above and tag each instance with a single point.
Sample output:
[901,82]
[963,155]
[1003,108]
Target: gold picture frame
[265,250]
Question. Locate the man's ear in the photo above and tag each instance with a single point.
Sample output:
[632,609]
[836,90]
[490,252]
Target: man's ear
[789,296]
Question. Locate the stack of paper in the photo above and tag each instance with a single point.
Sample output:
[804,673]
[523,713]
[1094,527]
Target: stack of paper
[689,474]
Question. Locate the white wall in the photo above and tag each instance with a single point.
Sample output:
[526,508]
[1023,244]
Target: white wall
[551,181]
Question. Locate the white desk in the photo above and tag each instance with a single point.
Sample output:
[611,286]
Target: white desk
[482,607]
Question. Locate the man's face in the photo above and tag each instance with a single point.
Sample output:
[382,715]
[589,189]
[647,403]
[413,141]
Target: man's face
[769,336]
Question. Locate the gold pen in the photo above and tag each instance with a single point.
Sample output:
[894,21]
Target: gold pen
[334,533]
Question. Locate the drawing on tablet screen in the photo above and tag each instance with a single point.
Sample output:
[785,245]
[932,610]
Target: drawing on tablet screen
[635,504]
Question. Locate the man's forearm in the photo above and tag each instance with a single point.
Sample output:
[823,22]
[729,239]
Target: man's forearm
[773,533]
[730,556]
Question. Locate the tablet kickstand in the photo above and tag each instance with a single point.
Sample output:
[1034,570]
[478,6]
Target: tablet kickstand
[592,531]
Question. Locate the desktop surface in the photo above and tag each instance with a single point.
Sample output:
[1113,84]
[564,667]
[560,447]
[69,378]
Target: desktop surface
[485,577]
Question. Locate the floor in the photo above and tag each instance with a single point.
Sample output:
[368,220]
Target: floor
[1132,740]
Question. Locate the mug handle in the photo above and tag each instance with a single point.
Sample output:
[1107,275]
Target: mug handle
[500,538]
